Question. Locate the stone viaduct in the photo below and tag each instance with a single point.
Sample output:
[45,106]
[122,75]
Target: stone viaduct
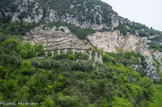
[97,57]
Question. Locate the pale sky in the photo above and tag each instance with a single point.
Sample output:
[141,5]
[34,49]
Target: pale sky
[148,12]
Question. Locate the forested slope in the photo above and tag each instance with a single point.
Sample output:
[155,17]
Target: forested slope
[63,81]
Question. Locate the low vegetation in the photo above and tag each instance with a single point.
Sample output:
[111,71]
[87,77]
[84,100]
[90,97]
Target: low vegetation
[69,80]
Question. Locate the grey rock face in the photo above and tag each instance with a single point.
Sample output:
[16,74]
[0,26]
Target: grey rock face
[150,56]
[35,15]
[151,70]
[53,16]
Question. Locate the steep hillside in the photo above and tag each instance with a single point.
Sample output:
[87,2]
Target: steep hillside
[71,80]
[76,53]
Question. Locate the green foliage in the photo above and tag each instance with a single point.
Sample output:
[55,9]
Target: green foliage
[12,46]
[26,67]
[121,102]
[81,56]
[136,28]
[15,28]
[158,97]
[58,86]
[157,65]
[156,47]
[39,50]
[156,42]
[1,97]
[48,103]
[12,52]
[67,101]
[23,93]
[104,103]
[68,83]
[28,51]
[8,4]
[3,73]
[160,77]
[126,59]
[81,33]
[122,29]
[71,57]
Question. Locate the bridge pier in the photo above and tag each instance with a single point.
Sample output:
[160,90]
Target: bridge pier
[74,51]
[90,55]
[96,57]
[52,53]
[82,51]
[58,51]
[100,58]
[46,53]
[65,51]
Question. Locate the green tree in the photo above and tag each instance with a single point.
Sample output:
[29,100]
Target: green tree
[67,101]
[11,47]
[157,97]
[1,97]
[71,57]
[27,50]
[39,50]
[48,103]
[121,102]
[3,73]
[23,94]
[104,103]
[9,86]
[26,67]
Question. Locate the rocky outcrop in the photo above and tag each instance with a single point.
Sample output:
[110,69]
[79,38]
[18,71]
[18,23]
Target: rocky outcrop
[113,41]
[23,14]
[90,16]
[52,38]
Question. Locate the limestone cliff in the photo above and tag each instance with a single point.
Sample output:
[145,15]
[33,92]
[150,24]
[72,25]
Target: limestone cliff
[113,41]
